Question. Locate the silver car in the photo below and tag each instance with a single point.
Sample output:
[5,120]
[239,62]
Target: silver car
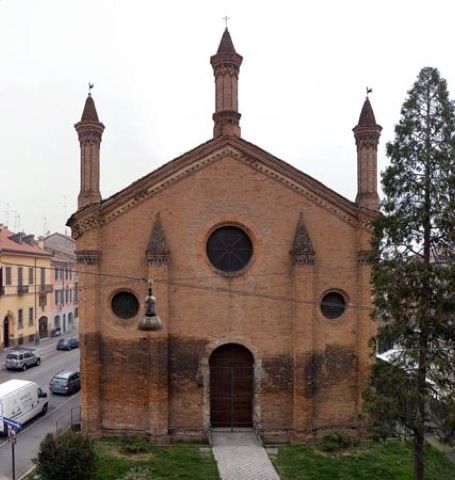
[21,359]
[65,382]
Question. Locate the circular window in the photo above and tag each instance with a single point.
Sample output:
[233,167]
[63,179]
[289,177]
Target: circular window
[333,305]
[229,249]
[125,305]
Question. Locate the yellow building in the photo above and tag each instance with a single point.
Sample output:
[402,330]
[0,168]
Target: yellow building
[25,285]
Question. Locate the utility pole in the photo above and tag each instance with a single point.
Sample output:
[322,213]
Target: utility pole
[12,439]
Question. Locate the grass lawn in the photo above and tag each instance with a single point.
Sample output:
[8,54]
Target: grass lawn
[176,462]
[391,460]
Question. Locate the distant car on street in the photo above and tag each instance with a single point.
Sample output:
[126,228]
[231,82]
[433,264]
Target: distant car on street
[22,358]
[67,343]
[56,332]
[65,382]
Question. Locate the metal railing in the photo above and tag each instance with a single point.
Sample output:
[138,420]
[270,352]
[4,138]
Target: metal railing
[46,288]
[22,289]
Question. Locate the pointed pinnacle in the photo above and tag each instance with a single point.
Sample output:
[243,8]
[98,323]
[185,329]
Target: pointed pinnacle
[157,243]
[367,115]
[302,242]
[89,114]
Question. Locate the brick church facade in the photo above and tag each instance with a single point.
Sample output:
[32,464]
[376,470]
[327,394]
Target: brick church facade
[261,282]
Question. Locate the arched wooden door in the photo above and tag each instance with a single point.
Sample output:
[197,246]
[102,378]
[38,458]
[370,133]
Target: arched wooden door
[6,332]
[231,387]
[43,328]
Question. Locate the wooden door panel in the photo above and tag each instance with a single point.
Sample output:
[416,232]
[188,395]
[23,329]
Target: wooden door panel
[231,387]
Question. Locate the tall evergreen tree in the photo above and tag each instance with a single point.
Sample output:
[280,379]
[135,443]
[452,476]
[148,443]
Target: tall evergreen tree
[414,268]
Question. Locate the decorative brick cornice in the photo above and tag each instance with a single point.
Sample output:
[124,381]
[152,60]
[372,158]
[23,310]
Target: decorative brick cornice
[157,259]
[303,258]
[205,155]
[187,170]
[88,257]
[367,136]
[85,223]
[89,133]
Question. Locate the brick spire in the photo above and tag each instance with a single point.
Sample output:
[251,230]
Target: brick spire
[226,66]
[366,118]
[90,131]
[89,114]
[157,249]
[367,133]
[302,248]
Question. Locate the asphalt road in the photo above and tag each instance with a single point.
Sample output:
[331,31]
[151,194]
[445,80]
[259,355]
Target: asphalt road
[59,412]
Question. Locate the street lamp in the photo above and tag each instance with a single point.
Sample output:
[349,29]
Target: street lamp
[150,322]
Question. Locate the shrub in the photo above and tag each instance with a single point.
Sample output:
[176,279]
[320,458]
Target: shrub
[134,445]
[334,441]
[68,456]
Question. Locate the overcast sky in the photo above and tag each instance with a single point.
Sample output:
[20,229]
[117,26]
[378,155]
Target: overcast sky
[301,87]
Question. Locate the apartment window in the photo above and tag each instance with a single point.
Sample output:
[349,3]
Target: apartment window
[71,274]
[71,295]
[30,316]
[57,297]
[76,292]
[20,318]
[56,273]
[67,273]
[8,276]
[20,276]
[66,296]
[42,275]
[76,312]
[31,277]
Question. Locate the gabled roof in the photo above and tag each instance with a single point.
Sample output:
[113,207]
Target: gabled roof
[14,244]
[246,152]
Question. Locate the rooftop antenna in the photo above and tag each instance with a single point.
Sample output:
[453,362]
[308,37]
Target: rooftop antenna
[15,221]
[64,196]
[7,214]
[44,226]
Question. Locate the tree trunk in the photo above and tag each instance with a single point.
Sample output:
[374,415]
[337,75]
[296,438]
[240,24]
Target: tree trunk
[419,439]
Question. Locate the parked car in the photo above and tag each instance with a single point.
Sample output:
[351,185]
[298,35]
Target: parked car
[22,358]
[67,343]
[65,382]
[56,332]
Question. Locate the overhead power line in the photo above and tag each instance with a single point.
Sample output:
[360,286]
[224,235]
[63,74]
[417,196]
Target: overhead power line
[208,288]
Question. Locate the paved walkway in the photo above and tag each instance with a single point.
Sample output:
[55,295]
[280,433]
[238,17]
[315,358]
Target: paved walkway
[240,456]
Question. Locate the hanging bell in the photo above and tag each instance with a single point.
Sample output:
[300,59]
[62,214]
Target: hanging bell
[150,322]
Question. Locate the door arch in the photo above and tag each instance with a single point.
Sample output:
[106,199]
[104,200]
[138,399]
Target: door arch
[43,327]
[6,332]
[231,387]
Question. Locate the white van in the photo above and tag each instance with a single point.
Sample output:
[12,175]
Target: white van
[21,400]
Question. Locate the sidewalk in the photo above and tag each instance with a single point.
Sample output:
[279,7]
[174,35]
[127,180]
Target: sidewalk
[448,451]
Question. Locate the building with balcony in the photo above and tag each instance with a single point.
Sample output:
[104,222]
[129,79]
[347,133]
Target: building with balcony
[25,289]
[64,300]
